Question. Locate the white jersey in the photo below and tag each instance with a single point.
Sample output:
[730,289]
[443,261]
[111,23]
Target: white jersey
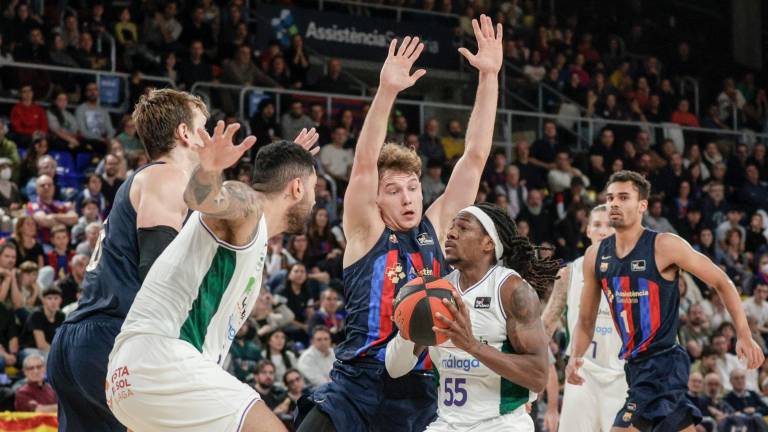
[469,392]
[199,290]
[603,353]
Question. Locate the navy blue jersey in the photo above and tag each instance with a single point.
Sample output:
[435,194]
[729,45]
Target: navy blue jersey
[644,305]
[371,285]
[112,279]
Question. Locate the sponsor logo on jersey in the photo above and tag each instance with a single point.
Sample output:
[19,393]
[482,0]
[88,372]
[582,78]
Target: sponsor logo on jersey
[424,239]
[395,273]
[603,331]
[638,266]
[605,257]
[466,364]
[482,302]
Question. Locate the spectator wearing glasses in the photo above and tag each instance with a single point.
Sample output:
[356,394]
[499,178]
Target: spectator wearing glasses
[36,395]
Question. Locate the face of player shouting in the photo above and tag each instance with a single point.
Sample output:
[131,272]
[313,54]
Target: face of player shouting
[625,208]
[400,200]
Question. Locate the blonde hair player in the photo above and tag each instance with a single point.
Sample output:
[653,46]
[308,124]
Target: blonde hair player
[495,360]
[391,240]
[591,407]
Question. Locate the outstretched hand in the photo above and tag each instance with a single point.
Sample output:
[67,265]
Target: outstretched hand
[489,49]
[307,139]
[396,73]
[218,151]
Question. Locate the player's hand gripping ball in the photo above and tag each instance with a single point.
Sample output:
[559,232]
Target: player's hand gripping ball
[416,305]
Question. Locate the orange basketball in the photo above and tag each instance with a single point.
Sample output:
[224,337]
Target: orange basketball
[415,307]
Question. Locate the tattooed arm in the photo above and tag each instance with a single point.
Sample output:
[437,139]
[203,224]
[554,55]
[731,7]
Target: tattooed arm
[556,304]
[231,209]
[526,364]
[208,193]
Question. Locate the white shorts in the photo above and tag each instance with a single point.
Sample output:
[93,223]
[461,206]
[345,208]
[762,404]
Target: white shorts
[517,421]
[592,406]
[156,383]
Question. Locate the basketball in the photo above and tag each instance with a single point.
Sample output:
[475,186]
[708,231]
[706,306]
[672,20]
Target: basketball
[416,305]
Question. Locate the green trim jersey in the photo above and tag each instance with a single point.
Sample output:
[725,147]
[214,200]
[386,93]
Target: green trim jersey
[468,391]
[602,356]
[200,290]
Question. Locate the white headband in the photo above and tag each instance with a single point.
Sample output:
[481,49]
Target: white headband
[489,226]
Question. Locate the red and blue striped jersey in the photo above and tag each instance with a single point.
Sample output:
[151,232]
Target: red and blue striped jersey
[371,284]
[643,304]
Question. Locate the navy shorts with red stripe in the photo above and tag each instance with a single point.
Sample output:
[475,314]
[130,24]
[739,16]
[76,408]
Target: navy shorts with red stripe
[362,396]
[657,398]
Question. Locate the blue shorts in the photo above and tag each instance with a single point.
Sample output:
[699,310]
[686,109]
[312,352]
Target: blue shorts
[657,398]
[77,369]
[363,397]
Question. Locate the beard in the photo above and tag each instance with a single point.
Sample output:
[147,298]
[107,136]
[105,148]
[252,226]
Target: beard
[616,223]
[297,216]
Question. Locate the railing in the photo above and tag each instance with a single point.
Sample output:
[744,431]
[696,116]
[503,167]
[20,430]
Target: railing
[399,10]
[97,74]
[694,83]
[509,122]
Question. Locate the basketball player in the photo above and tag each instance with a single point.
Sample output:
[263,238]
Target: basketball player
[637,270]
[148,212]
[496,358]
[389,242]
[165,368]
[605,387]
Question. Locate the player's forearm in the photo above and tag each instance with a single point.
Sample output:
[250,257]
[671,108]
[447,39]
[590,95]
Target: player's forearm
[374,130]
[553,389]
[555,306]
[401,356]
[479,136]
[727,292]
[527,370]
[207,193]
[582,336]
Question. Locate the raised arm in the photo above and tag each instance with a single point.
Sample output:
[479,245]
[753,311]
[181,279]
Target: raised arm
[556,304]
[678,252]
[206,191]
[585,326]
[527,365]
[361,215]
[461,187]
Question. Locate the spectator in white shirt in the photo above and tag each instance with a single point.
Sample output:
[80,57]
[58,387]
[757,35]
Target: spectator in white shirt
[559,178]
[335,159]
[757,307]
[726,362]
[316,362]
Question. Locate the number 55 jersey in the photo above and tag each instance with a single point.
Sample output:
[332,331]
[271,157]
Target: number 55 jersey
[471,395]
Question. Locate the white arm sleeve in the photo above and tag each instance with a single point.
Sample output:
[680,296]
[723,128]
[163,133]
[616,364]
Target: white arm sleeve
[399,358]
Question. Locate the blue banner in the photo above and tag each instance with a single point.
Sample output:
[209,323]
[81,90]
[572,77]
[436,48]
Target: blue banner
[358,37]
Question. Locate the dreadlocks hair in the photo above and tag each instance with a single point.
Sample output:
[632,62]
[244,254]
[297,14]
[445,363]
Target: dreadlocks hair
[519,254]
